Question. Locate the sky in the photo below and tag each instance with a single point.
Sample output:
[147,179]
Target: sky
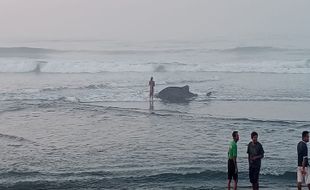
[152,19]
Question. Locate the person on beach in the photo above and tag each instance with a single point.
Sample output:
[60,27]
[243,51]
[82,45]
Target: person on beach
[232,160]
[255,154]
[302,169]
[151,84]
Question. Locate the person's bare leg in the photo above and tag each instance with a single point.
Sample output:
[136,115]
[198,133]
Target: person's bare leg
[256,186]
[235,184]
[228,184]
[298,186]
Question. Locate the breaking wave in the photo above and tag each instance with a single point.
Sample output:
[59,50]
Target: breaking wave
[254,49]
[41,60]
[26,65]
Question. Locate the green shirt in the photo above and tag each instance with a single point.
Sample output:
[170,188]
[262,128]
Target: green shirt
[232,152]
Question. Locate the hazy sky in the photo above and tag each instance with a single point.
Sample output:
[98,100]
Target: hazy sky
[151,19]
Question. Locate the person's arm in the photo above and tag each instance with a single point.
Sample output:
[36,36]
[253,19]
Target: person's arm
[235,163]
[258,157]
[248,152]
[304,160]
[262,152]
[303,171]
[234,154]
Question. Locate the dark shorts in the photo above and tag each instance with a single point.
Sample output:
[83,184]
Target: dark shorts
[254,173]
[232,170]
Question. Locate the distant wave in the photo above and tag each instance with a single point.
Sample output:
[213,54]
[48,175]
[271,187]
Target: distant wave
[163,66]
[257,120]
[137,51]
[12,109]
[53,89]
[22,66]
[37,50]
[281,122]
[172,113]
[39,60]
[21,51]
[53,66]
[14,138]
[240,49]
[72,99]
[91,86]
[213,175]
[190,81]
[254,49]
[262,99]
[96,86]
[206,174]
[133,51]
[166,63]
[15,173]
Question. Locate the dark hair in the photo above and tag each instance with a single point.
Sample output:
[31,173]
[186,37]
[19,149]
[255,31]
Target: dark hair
[234,134]
[305,133]
[253,134]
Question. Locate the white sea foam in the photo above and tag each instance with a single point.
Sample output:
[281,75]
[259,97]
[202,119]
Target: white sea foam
[239,59]
[65,66]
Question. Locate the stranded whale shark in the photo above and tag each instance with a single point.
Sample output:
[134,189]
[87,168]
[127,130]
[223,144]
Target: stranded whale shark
[176,94]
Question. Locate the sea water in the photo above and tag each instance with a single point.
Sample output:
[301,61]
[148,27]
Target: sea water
[76,114]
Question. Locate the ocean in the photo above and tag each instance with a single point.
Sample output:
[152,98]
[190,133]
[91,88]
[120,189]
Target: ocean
[76,114]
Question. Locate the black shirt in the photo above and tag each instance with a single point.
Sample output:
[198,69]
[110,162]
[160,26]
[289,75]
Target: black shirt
[302,151]
[255,150]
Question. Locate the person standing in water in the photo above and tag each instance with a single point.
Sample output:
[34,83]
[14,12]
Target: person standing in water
[303,169]
[255,154]
[151,84]
[232,160]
